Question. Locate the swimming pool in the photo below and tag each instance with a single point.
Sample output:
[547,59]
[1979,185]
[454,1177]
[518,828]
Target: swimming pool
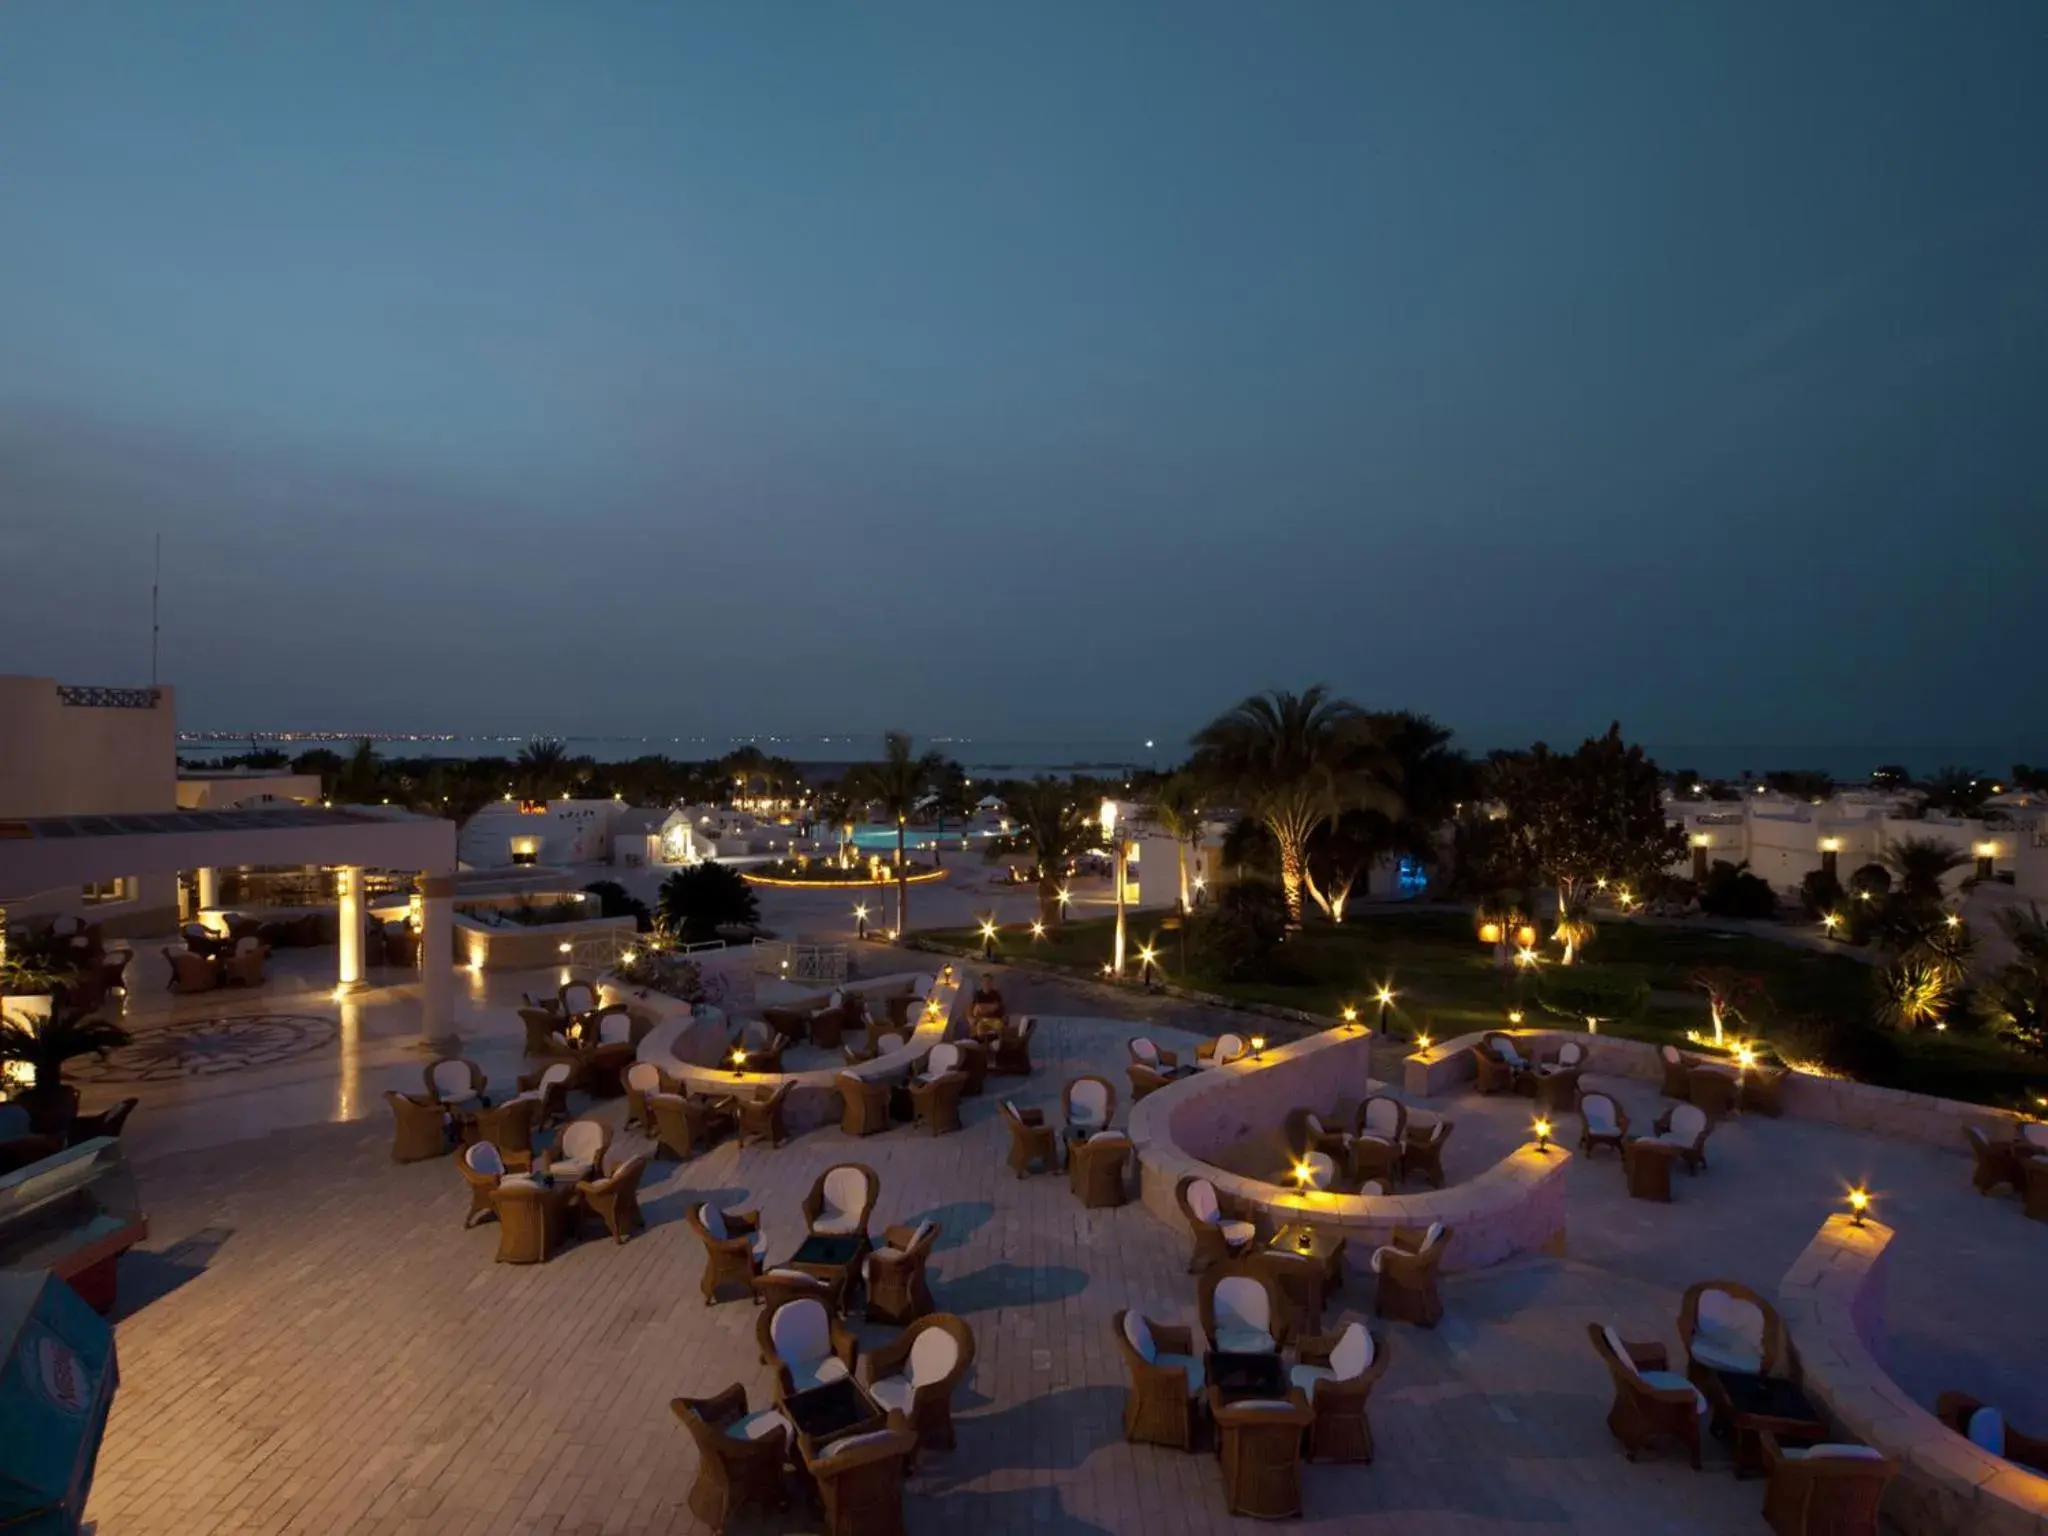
[882,839]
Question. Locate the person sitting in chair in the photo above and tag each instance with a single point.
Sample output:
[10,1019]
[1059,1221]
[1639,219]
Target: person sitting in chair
[987,1013]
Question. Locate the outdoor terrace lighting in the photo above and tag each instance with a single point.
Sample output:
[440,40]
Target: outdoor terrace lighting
[988,939]
[1859,1202]
[1066,898]
[563,947]
[739,1059]
[1745,1056]
[860,922]
[1038,929]
[1525,956]
[1422,1042]
[1954,921]
[1514,1015]
[629,957]
[1304,1174]
[1258,1045]
[1350,1014]
[1831,921]
[1542,1129]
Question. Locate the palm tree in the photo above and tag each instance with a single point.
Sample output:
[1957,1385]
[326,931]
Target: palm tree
[540,763]
[1177,808]
[2015,999]
[898,783]
[357,781]
[1055,825]
[1920,864]
[1295,760]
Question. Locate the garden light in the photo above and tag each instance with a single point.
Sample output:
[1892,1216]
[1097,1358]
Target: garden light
[1859,1202]
[1542,1129]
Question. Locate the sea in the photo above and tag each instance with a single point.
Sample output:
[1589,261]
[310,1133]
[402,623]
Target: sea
[1000,758]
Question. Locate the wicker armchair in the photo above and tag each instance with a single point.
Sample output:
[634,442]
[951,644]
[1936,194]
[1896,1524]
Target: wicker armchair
[510,1129]
[528,1221]
[543,1031]
[682,1123]
[864,1104]
[1381,1116]
[643,1078]
[482,1169]
[576,998]
[1489,1073]
[1985,1427]
[773,1287]
[1144,1053]
[1603,1122]
[1684,1128]
[1013,1049]
[897,1290]
[759,1048]
[760,1114]
[789,1023]
[1242,1309]
[1031,1139]
[860,1480]
[422,1127]
[1763,1090]
[1144,1081]
[733,1246]
[1305,1132]
[1713,1090]
[1337,1373]
[552,1082]
[244,967]
[1260,1447]
[1220,1050]
[1407,1268]
[1165,1377]
[806,1345]
[2034,1187]
[1088,1103]
[841,1200]
[1676,1067]
[1723,1325]
[1423,1155]
[935,1102]
[1824,1490]
[455,1080]
[1097,1169]
[614,1198]
[974,1063]
[1216,1239]
[828,1028]
[579,1150]
[191,972]
[740,1455]
[1998,1162]
[1650,1399]
[916,1373]
[1374,1157]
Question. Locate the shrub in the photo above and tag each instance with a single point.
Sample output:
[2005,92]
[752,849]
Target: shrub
[1874,878]
[1236,935]
[698,901]
[1820,893]
[1732,891]
[1583,992]
[614,900]
[1849,1046]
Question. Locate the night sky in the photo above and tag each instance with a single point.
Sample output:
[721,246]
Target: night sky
[1035,370]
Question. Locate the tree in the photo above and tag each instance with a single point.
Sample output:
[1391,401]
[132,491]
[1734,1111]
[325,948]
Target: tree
[1730,993]
[614,900]
[1177,809]
[2014,1001]
[1730,890]
[948,794]
[1596,813]
[44,1045]
[897,783]
[1889,776]
[1055,825]
[1919,865]
[1800,783]
[696,902]
[543,767]
[1296,760]
[1236,934]
[1434,782]
[1956,792]
[358,780]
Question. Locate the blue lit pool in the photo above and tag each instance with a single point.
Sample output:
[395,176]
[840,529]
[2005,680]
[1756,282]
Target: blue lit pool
[882,839]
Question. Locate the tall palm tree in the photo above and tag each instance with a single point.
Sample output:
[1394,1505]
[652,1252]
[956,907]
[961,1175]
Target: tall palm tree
[357,781]
[1294,760]
[1920,864]
[898,784]
[541,762]
[1055,824]
[1177,808]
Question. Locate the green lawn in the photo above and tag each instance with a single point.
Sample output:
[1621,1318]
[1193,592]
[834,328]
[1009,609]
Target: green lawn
[1445,983]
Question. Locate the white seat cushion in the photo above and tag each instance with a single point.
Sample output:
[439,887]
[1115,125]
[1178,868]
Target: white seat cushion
[932,1357]
[1202,1201]
[1671,1381]
[892,1394]
[1238,1233]
[1987,1430]
[643,1075]
[1620,1350]
[1372,1187]
[853,1442]
[482,1157]
[1192,1364]
[1429,1238]
[1352,1357]
[758,1426]
[1240,1305]
[713,1219]
[1244,1341]
[1728,1333]
[1382,1117]
[837,1225]
[1306,1377]
[815,1373]
[1140,1335]
[1380,1253]
[1835,1453]
[883,1253]
[519,1181]
[1598,1111]
[568,1170]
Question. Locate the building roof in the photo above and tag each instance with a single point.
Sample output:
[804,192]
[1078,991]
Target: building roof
[638,819]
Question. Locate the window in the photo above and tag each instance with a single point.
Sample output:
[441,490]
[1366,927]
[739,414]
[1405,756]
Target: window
[122,889]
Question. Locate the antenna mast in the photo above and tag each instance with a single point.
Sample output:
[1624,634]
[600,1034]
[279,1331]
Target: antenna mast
[155,582]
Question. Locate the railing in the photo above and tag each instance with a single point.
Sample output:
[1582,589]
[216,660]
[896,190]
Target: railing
[800,962]
[92,697]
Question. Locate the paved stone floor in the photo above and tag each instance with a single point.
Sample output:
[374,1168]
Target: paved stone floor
[312,1342]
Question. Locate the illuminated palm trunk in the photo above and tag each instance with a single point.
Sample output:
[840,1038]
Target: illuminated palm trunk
[1117,871]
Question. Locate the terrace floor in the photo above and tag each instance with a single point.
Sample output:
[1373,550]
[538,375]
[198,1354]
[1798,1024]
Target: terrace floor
[312,1342]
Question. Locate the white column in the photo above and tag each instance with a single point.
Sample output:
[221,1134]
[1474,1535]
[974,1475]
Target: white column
[348,890]
[208,881]
[437,956]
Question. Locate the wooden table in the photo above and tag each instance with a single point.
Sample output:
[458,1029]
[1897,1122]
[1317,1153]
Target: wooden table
[1747,1406]
[1325,1247]
[1232,1377]
[831,1412]
[1307,1276]
[1648,1167]
[520,1240]
[831,1257]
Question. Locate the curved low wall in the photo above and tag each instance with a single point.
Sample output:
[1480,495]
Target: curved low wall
[1854,1106]
[688,1047]
[1832,1300]
[1514,1207]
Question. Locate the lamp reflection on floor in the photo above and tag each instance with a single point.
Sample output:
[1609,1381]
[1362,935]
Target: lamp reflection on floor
[348,1082]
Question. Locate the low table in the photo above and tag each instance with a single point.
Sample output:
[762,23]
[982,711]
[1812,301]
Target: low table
[1233,1376]
[831,1257]
[831,1412]
[1647,1165]
[1325,1247]
[1750,1405]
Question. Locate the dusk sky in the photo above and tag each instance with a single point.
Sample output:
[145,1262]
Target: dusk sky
[1033,370]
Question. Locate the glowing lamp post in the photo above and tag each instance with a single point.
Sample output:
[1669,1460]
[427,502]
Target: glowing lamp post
[860,921]
[1859,1202]
[988,939]
[1542,1129]
[1385,998]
